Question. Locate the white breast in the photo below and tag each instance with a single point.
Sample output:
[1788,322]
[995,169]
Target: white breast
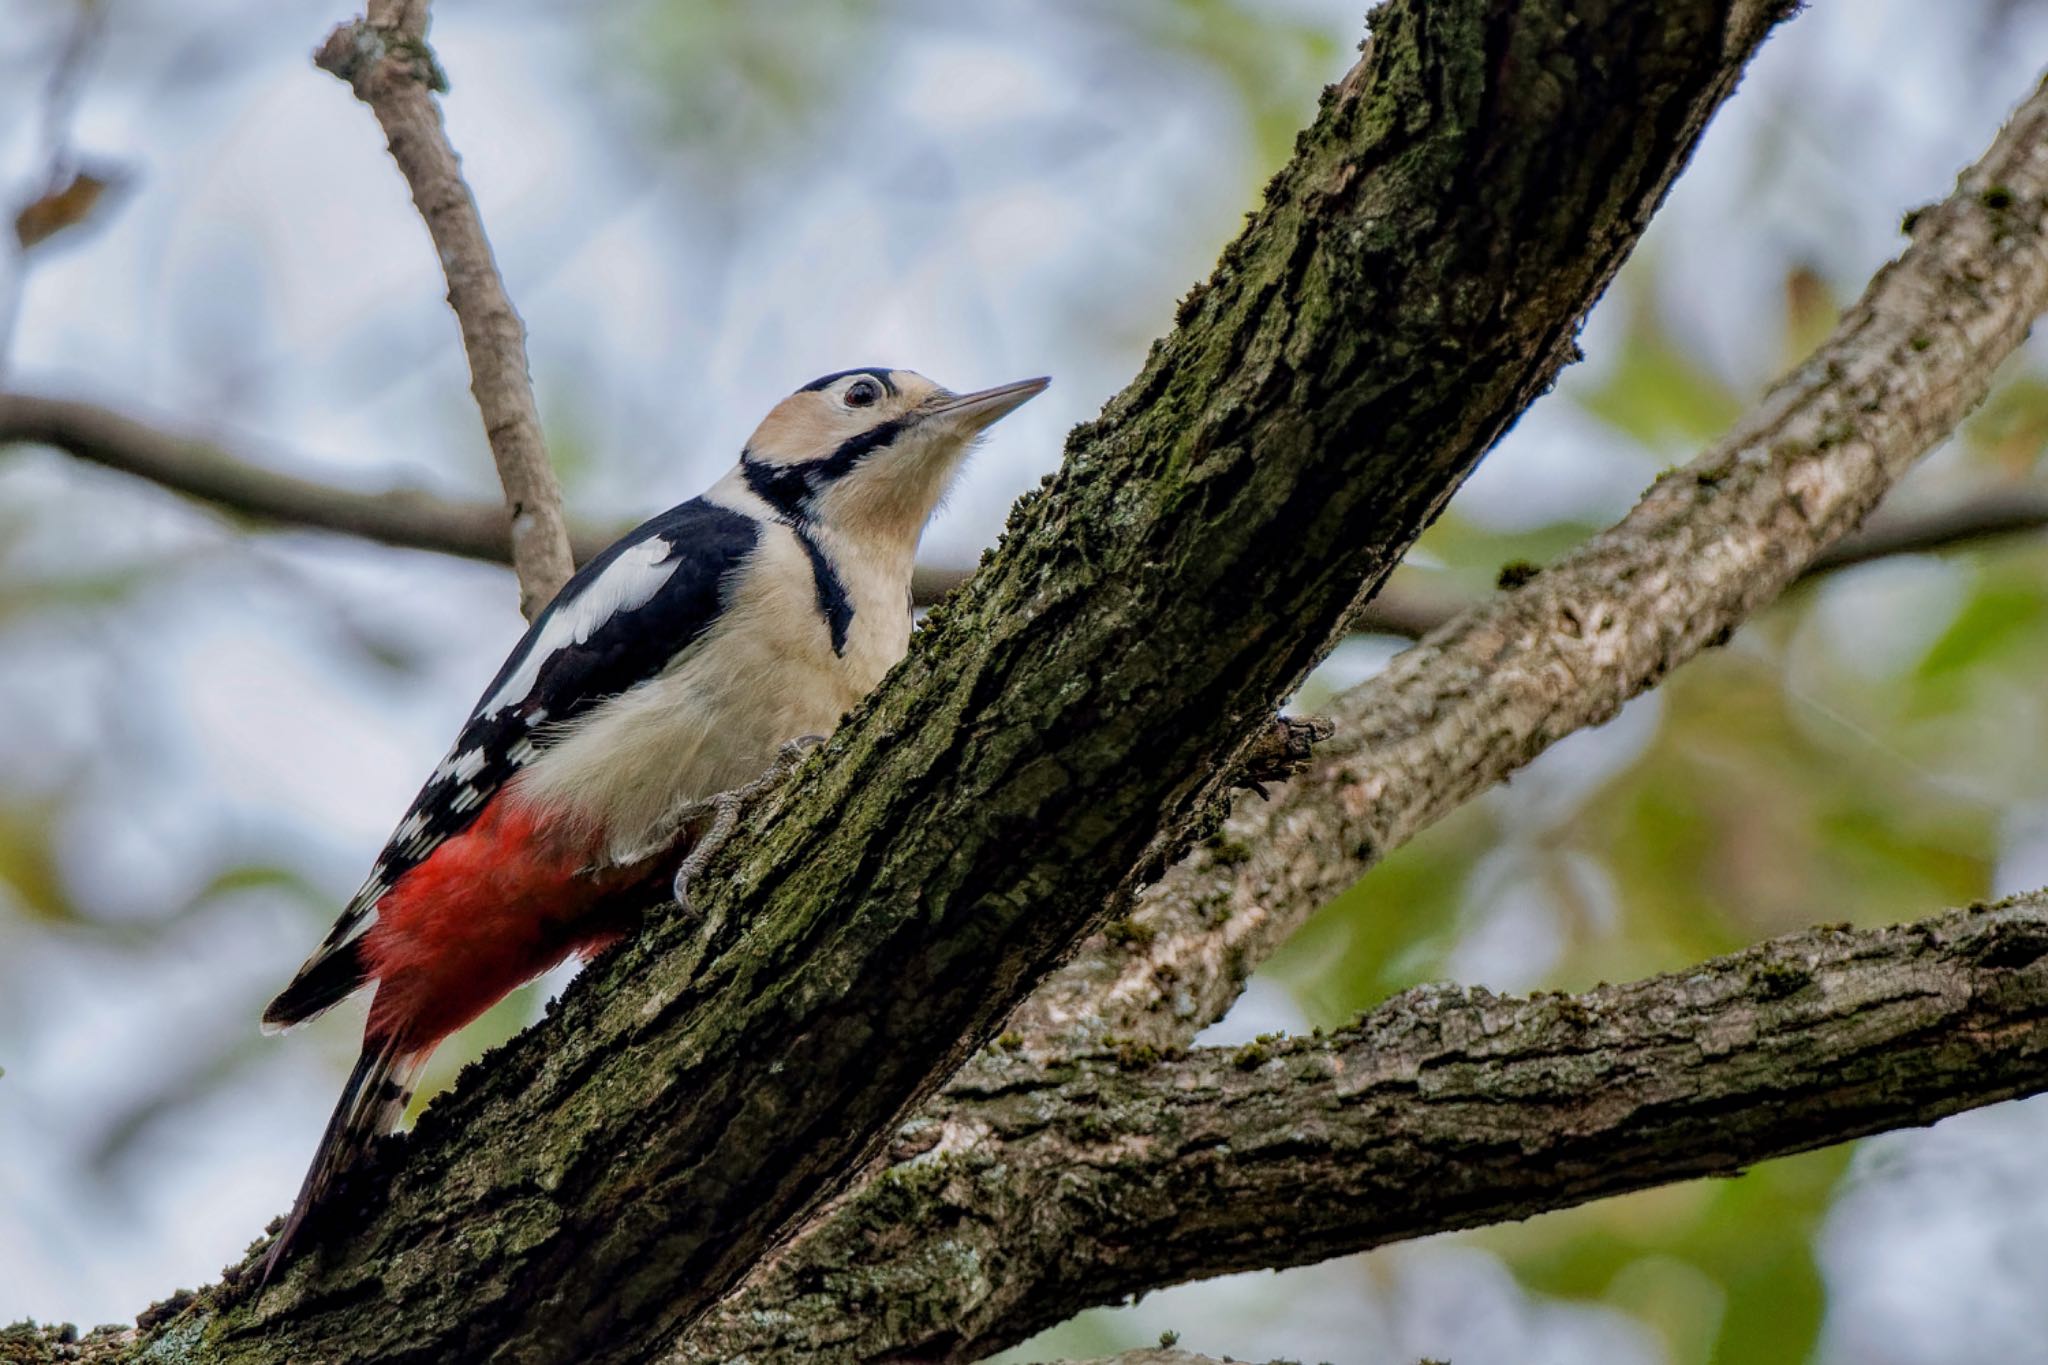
[765,674]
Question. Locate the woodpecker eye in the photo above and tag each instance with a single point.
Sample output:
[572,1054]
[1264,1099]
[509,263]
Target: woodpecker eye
[862,393]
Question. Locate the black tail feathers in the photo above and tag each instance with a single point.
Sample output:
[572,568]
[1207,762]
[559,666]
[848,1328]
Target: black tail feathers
[328,978]
[370,1106]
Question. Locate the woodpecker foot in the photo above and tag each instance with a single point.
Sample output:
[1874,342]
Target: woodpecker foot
[791,754]
[725,817]
[724,810]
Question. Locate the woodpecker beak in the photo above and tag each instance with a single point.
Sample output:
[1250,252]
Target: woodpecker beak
[973,412]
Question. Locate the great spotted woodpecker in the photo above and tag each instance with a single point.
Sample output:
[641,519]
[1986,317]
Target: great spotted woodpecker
[674,666]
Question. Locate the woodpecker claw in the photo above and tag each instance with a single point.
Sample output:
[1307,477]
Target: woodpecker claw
[724,809]
[725,816]
[792,753]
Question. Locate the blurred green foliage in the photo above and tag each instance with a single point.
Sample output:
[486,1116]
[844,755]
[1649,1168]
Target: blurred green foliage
[1655,389]
[28,865]
[749,87]
[745,81]
[1268,60]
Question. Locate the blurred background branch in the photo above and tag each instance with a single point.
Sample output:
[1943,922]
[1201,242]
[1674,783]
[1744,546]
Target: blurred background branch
[262,496]
[64,193]
[265,498]
[1159,1356]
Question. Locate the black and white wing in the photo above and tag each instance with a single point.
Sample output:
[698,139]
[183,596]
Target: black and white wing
[619,621]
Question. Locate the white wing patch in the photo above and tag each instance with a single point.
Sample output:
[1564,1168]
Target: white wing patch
[360,907]
[461,767]
[627,583]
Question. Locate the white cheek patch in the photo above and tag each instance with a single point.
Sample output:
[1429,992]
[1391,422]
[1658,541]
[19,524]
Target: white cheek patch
[627,583]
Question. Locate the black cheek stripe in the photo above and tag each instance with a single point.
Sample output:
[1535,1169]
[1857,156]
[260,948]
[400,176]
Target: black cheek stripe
[782,486]
[788,488]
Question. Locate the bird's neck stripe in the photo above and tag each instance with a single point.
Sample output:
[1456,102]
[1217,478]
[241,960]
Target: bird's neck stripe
[833,602]
[788,488]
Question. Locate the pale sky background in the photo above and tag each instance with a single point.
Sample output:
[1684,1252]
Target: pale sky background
[1014,193]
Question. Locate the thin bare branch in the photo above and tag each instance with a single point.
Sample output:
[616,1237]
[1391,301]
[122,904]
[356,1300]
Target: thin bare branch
[1707,546]
[1988,515]
[254,492]
[65,195]
[386,61]
[1039,1190]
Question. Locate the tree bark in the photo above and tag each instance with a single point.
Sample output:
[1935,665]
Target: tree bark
[1411,283]
[1039,1189]
[1032,1190]
[1708,545]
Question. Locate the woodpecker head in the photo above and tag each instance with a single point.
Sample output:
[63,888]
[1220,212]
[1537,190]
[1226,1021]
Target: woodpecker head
[871,452]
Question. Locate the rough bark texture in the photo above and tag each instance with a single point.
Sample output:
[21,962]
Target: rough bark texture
[28,1344]
[1412,281]
[1708,545]
[1041,1189]
[386,61]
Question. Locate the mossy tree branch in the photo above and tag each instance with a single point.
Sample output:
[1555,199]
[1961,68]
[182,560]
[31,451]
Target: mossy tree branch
[1037,1189]
[1067,1184]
